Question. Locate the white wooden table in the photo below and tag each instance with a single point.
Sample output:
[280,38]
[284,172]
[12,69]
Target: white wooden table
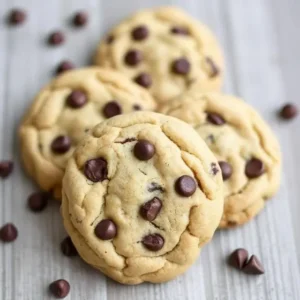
[262,45]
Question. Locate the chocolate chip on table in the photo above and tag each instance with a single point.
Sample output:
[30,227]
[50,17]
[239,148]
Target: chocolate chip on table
[38,201]
[17,16]
[8,233]
[180,30]
[64,66]
[106,230]
[144,79]
[140,33]
[77,99]
[59,288]
[214,70]
[151,209]
[253,266]
[80,19]
[238,258]
[56,38]
[181,66]
[137,107]
[185,186]
[288,111]
[68,248]
[96,169]
[254,168]
[61,144]
[133,57]
[110,39]
[215,119]
[153,242]
[226,169]
[6,167]
[112,109]
[144,150]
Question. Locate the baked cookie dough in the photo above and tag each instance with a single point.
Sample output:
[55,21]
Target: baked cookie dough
[165,51]
[142,194]
[246,148]
[65,110]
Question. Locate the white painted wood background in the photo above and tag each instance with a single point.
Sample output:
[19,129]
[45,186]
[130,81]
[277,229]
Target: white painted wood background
[262,45]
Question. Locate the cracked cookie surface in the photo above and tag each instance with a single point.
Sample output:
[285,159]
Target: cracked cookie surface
[65,110]
[140,198]
[247,150]
[165,51]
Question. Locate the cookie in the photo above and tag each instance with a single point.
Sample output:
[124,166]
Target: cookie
[65,110]
[247,150]
[165,51]
[140,198]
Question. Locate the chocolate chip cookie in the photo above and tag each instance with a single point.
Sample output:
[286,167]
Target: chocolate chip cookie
[140,198]
[65,110]
[165,51]
[247,150]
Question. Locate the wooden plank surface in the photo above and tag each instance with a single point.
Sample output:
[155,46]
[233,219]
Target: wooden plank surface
[261,45]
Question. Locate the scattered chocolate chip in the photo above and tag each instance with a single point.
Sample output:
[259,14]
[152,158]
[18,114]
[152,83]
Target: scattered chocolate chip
[180,30]
[214,168]
[68,248]
[38,201]
[56,38]
[6,167]
[144,79]
[253,266]
[106,230]
[112,109]
[238,258]
[137,107]
[61,144]
[151,209]
[8,233]
[17,16]
[214,70]
[80,19]
[289,111]
[144,150]
[181,66]
[254,168]
[133,57]
[96,169]
[215,119]
[64,66]
[153,186]
[59,288]
[232,223]
[185,186]
[110,39]
[77,99]
[153,242]
[140,33]
[226,169]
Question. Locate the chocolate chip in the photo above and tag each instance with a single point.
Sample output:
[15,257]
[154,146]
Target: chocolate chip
[215,119]
[106,230]
[59,288]
[17,16]
[38,201]
[144,79]
[214,168]
[80,18]
[64,66]
[180,30]
[144,150]
[181,66]
[288,111]
[151,209]
[8,233]
[112,109]
[133,57]
[226,169]
[137,107]
[254,168]
[110,39]
[68,248]
[238,258]
[153,186]
[77,99]
[214,70]
[153,242]
[140,33]
[61,144]
[185,186]
[6,167]
[253,266]
[56,38]
[96,169]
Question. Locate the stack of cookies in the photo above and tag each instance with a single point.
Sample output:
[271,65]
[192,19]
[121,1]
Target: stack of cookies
[146,154]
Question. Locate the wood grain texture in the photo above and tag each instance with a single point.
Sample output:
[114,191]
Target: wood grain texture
[261,45]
